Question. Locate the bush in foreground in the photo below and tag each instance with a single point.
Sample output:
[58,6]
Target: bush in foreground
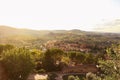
[18,63]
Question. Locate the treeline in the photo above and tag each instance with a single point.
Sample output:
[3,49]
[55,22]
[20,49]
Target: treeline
[87,43]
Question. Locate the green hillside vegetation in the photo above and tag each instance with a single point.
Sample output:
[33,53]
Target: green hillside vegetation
[29,38]
[19,62]
[24,51]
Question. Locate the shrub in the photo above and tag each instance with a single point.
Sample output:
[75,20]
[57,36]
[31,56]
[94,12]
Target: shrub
[41,71]
[52,76]
[18,63]
[71,77]
[90,76]
[5,48]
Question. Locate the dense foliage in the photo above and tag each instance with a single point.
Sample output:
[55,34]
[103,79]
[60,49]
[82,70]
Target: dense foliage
[110,68]
[18,63]
[5,47]
[51,51]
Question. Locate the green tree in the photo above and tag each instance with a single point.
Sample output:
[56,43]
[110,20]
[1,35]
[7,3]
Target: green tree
[80,57]
[72,55]
[18,63]
[71,77]
[89,58]
[50,59]
[110,68]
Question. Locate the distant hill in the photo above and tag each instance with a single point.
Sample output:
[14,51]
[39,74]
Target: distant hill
[11,35]
[6,32]
[9,32]
[34,38]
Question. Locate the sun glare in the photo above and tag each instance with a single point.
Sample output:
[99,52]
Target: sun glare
[54,14]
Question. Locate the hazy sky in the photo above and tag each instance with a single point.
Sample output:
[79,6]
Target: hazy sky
[58,14]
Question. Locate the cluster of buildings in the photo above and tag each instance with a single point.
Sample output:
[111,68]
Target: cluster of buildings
[66,46]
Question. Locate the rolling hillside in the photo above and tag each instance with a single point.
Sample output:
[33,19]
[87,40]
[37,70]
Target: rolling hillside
[36,38]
